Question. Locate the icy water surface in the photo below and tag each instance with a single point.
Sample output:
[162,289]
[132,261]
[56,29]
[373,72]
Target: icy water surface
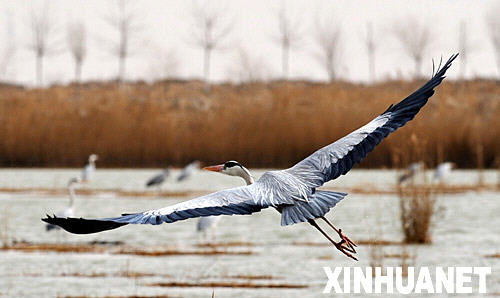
[467,228]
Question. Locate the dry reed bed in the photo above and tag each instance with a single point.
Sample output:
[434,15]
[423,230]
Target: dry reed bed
[261,125]
[358,242]
[228,284]
[118,249]
[133,274]
[225,244]
[127,274]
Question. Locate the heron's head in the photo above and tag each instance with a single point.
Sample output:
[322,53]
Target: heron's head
[93,158]
[448,165]
[231,168]
[73,181]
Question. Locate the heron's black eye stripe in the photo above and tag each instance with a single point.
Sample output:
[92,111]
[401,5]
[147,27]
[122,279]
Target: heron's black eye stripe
[231,164]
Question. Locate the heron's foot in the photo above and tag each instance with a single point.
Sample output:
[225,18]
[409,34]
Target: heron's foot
[351,244]
[345,249]
[344,246]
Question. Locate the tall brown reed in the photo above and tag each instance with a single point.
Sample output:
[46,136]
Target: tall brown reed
[261,125]
[5,228]
[417,207]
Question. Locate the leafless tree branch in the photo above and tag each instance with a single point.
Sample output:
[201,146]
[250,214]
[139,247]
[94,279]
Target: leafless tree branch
[290,36]
[42,38]
[464,47]
[77,44]
[126,21]
[415,37]
[211,28]
[164,63]
[8,48]
[248,68]
[371,48]
[494,30]
[328,40]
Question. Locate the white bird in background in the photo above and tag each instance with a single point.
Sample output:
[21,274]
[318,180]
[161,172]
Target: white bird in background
[442,171]
[70,210]
[231,168]
[293,192]
[188,170]
[412,171]
[89,168]
[159,179]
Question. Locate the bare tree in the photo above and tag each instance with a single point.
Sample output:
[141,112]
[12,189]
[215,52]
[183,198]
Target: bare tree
[328,37]
[42,38]
[371,48]
[164,63]
[210,29]
[494,26]
[249,68]
[464,47]
[126,21]
[290,33]
[415,38]
[8,48]
[77,43]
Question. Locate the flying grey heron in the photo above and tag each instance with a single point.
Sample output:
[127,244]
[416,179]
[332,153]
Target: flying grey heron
[293,192]
[188,170]
[231,168]
[70,210]
[89,168]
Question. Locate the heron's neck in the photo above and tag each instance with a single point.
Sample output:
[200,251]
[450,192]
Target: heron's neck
[245,174]
[71,196]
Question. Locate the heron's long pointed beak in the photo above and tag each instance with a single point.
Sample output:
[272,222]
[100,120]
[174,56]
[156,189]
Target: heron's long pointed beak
[217,168]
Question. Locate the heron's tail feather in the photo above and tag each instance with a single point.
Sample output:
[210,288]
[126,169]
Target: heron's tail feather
[319,204]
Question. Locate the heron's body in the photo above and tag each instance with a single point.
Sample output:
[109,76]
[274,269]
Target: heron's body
[89,169]
[188,170]
[412,171]
[292,191]
[442,171]
[159,179]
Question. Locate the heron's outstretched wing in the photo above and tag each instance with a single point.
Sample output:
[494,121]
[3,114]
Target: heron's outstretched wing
[338,158]
[226,202]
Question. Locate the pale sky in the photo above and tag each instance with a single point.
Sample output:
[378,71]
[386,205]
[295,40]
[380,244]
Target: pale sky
[167,27]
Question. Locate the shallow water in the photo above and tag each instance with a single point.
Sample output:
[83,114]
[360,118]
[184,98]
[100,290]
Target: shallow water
[467,227]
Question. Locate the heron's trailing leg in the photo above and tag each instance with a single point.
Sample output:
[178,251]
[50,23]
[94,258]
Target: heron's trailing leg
[346,239]
[338,245]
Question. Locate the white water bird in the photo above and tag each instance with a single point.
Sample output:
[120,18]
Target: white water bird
[70,210]
[293,192]
[442,171]
[159,179]
[189,170]
[231,168]
[89,168]
[410,172]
